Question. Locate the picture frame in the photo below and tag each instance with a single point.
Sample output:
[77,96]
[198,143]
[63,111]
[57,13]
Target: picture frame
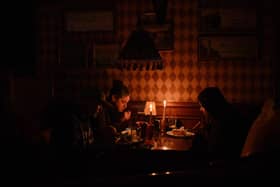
[227,20]
[227,16]
[83,21]
[227,47]
[105,55]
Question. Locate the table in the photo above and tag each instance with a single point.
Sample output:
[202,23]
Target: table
[157,141]
[166,142]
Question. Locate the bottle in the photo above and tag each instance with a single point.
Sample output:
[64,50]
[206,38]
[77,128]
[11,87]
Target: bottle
[143,130]
[156,128]
[149,130]
[162,126]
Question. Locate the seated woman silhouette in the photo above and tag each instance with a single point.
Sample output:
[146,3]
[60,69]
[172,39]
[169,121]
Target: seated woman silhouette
[225,129]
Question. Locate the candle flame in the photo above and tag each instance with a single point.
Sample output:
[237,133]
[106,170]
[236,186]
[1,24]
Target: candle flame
[164,103]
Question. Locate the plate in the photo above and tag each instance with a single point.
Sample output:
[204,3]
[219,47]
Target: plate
[182,133]
[137,140]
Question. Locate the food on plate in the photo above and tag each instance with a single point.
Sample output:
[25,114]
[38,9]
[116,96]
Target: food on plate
[179,132]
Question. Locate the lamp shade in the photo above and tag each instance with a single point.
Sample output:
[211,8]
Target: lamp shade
[150,108]
[140,46]
[140,52]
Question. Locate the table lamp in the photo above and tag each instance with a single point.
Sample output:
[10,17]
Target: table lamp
[150,109]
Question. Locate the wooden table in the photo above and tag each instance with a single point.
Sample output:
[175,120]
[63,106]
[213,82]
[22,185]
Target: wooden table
[166,142]
[158,141]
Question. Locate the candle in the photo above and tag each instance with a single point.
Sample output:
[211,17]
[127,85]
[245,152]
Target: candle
[162,125]
[151,111]
[164,106]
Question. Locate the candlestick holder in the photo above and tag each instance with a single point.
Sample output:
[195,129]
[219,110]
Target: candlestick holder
[163,122]
[162,126]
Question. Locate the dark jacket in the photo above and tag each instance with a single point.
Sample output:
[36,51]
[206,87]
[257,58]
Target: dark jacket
[227,129]
[107,124]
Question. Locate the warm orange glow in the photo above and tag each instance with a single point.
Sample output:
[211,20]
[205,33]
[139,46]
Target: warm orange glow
[150,108]
[164,103]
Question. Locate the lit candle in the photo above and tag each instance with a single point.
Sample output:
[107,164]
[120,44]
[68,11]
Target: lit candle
[151,110]
[164,106]
[164,103]
[162,125]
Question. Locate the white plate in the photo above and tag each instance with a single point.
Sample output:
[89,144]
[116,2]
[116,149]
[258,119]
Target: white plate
[186,134]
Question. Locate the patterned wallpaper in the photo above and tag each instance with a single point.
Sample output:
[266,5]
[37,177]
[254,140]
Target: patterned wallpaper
[182,77]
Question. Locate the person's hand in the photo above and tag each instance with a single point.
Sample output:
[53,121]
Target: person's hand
[126,115]
[98,111]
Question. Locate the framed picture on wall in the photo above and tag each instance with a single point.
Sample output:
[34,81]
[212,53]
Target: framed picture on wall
[105,54]
[227,47]
[83,21]
[227,16]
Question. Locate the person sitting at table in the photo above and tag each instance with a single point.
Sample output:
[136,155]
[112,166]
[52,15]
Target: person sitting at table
[224,130]
[111,115]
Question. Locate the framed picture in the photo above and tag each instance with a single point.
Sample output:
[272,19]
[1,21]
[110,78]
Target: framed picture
[227,47]
[228,20]
[105,55]
[82,21]
[227,16]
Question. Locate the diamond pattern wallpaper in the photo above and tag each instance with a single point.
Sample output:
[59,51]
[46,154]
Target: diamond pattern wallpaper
[182,76]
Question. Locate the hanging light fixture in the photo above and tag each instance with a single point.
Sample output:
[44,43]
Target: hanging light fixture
[140,52]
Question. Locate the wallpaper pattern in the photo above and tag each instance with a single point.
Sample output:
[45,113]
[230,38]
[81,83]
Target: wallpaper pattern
[182,77]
